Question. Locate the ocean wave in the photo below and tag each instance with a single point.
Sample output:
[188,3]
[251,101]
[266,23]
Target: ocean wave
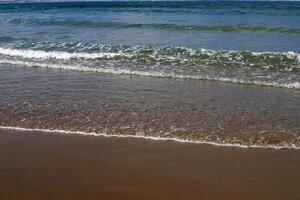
[58,54]
[159,26]
[286,61]
[290,85]
[257,68]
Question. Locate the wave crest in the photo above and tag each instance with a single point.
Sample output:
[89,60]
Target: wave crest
[259,68]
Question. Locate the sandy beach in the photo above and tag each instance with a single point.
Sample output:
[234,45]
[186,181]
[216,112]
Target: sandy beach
[35,165]
[149,100]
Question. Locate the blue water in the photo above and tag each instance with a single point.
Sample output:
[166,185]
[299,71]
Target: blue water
[240,42]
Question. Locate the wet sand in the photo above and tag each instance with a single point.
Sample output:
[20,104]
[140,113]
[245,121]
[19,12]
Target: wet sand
[37,165]
[183,109]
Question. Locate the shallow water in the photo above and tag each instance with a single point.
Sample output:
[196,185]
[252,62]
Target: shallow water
[154,69]
[125,105]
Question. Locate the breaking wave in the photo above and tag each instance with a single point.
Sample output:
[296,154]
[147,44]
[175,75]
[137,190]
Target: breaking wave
[279,69]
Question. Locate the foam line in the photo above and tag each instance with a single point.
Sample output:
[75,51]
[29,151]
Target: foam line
[37,54]
[156,138]
[292,85]
[40,54]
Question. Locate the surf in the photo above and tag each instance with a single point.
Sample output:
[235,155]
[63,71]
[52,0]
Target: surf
[278,69]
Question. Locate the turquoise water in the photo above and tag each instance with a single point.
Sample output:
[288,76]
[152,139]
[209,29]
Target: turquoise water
[241,42]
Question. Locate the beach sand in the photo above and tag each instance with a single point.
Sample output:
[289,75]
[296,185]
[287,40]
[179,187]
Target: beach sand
[36,165]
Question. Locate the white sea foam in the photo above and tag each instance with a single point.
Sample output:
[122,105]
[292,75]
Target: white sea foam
[290,85]
[157,138]
[37,54]
[63,55]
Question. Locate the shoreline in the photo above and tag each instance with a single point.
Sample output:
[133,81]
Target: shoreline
[153,138]
[49,166]
[214,113]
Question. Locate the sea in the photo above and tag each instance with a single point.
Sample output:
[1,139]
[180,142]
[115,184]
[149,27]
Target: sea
[225,73]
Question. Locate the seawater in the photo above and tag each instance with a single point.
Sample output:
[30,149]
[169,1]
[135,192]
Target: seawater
[248,44]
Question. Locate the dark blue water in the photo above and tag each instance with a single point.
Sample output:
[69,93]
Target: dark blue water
[241,42]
